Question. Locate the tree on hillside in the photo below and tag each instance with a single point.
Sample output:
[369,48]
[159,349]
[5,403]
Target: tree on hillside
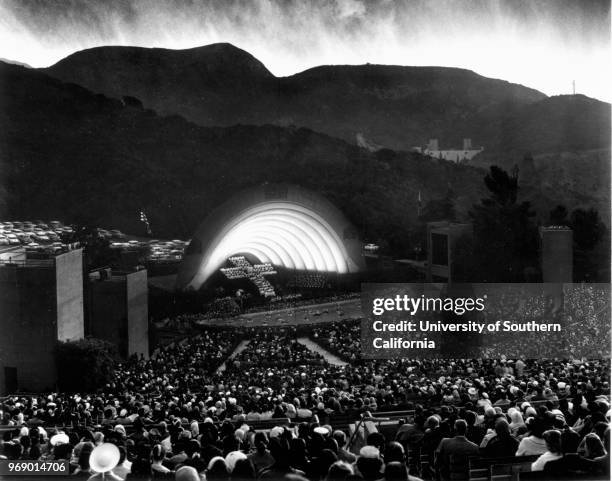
[505,237]
[589,256]
[558,216]
[588,228]
[95,246]
[440,209]
[84,365]
[588,232]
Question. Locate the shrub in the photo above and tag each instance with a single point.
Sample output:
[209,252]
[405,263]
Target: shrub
[84,365]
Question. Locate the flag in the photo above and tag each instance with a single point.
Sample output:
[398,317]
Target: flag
[143,218]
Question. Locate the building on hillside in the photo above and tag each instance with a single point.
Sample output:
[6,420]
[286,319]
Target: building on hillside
[458,156]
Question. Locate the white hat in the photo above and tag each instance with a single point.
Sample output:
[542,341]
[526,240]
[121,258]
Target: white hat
[232,458]
[59,438]
[276,431]
[104,457]
[369,452]
[321,430]
[214,460]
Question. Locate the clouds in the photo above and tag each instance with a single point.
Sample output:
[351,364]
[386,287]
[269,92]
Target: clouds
[543,44]
[350,8]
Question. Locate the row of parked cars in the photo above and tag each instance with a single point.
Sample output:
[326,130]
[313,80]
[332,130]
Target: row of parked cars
[158,250]
[41,235]
[33,233]
[167,250]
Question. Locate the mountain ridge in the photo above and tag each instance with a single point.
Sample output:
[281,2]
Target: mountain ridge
[397,107]
[105,159]
[83,157]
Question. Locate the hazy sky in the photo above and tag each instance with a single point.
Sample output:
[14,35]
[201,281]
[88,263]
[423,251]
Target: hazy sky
[544,44]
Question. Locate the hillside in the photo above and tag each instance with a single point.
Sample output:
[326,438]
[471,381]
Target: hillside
[70,154]
[221,85]
[211,84]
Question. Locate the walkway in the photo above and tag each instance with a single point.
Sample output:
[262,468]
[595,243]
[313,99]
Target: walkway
[329,357]
[241,347]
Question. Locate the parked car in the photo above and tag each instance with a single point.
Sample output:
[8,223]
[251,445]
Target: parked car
[13,240]
[24,238]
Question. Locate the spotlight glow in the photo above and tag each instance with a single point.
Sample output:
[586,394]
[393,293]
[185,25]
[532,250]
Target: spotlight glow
[282,233]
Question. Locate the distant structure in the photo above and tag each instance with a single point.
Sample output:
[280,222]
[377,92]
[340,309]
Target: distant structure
[117,310]
[556,254]
[283,225]
[41,302]
[442,240]
[463,155]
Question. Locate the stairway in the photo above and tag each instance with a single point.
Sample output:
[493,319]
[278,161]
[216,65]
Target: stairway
[329,357]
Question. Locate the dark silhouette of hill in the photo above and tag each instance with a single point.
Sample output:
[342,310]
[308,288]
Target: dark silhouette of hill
[68,153]
[14,62]
[369,105]
[71,154]
[210,84]
[221,85]
[564,123]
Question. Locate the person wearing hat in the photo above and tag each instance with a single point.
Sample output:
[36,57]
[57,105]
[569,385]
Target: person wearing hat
[517,424]
[102,460]
[232,458]
[369,463]
[187,473]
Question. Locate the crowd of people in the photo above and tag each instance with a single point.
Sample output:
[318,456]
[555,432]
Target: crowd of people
[178,414]
[582,312]
[190,436]
[342,338]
